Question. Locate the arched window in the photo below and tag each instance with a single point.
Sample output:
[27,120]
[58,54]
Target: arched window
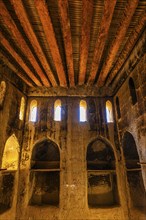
[134,174]
[109,112]
[33,111]
[118,107]
[57,110]
[45,173]
[83,111]
[22,109]
[101,174]
[132,91]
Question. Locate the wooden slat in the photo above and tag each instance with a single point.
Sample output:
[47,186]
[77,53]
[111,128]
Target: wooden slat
[18,59]
[17,72]
[22,16]
[51,39]
[87,14]
[21,42]
[121,32]
[128,47]
[65,23]
[101,40]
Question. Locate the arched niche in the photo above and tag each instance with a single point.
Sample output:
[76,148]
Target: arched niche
[134,175]
[102,183]
[57,110]
[83,111]
[45,173]
[8,172]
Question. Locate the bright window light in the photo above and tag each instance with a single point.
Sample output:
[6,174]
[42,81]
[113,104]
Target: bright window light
[57,110]
[22,108]
[109,112]
[33,111]
[83,111]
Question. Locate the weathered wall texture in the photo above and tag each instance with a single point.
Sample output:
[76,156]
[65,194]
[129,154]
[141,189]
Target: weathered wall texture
[133,123]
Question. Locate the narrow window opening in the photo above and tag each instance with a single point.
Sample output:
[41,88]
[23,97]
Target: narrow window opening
[33,111]
[132,91]
[57,110]
[83,111]
[109,112]
[22,109]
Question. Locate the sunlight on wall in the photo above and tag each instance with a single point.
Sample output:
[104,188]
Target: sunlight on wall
[109,111]
[33,111]
[57,110]
[11,153]
[83,111]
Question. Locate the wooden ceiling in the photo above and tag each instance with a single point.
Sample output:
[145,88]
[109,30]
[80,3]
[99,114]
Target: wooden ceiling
[69,43]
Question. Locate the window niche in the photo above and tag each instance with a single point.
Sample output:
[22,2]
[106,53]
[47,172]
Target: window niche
[45,174]
[134,175]
[57,110]
[109,112]
[83,111]
[8,173]
[132,91]
[33,111]
[101,174]
[22,109]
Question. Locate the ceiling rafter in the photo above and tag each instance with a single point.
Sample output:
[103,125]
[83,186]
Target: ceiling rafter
[18,59]
[121,32]
[102,36]
[13,68]
[21,42]
[128,47]
[65,23]
[87,14]
[22,16]
[51,39]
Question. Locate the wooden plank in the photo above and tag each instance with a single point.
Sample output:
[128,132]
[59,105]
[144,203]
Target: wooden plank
[18,59]
[9,23]
[65,23]
[102,36]
[51,39]
[119,37]
[87,14]
[23,18]
[127,48]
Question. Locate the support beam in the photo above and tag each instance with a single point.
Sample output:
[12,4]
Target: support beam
[128,48]
[121,32]
[8,22]
[65,23]
[101,40]
[18,59]
[13,68]
[87,14]
[22,16]
[51,39]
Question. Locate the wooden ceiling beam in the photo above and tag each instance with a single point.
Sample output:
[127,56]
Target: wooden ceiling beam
[51,39]
[8,22]
[18,59]
[87,13]
[22,16]
[128,48]
[65,23]
[102,36]
[121,32]
[16,71]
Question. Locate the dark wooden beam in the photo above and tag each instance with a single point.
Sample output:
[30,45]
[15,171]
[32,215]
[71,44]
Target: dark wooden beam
[19,60]
[51,39]
[23,18]
[65,23]
[17,36]
[87,13]
[128,48]
[121,32]
[101,40]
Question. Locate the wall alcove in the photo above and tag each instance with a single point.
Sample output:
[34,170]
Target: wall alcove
[134,175]
[102,183]
[45,173]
